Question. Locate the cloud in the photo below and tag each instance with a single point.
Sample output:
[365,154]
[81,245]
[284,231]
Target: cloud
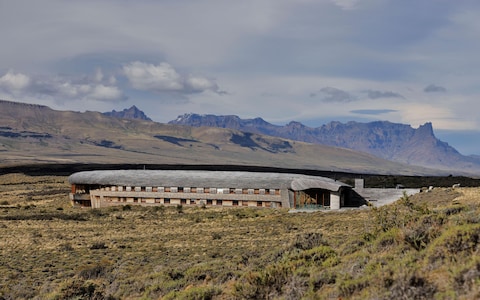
[62,88]
[12,81]
[373,111]
[331,94]
[432,88]
[382,94]
[164,78]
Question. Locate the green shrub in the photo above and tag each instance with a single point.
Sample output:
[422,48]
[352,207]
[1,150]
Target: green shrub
[179,208]
[264,284]
[309,240]
[98,245]
[321,278]
[194,293]
[468,277]
[465,238]
[319,255]
[65,247]
[412,287]
[420,233]
[349,286]
[97,270]
[386,240]
[216,236]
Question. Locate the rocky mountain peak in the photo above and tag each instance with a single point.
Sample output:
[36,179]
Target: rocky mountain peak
[426,129]
[129,113]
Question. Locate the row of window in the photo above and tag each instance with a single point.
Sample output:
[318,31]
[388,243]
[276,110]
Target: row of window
[193,201]
[161,189]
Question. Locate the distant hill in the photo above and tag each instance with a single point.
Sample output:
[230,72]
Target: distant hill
[396,142]
[37,134]
[130,113]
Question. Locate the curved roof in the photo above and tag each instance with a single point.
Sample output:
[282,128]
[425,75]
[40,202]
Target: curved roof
[218,179]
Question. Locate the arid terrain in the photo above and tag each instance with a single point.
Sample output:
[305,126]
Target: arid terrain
[421,247]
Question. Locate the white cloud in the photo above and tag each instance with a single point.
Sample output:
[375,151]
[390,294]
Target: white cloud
[106,93]
[200,84]
[60,88]
[158,78]
[164,78]
[12,81]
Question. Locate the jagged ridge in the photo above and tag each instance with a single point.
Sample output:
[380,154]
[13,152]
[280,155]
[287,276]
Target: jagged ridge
[392,141]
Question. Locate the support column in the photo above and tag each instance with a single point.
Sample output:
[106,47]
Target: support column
[334,200]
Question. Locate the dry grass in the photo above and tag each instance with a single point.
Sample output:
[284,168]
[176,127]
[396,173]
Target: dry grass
[50,250]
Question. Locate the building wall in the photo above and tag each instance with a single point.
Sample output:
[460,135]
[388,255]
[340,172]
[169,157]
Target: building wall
[335,200]
[120,195]
[231,197]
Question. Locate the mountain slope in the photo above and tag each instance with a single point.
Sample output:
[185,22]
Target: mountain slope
[34,133]
[396,142]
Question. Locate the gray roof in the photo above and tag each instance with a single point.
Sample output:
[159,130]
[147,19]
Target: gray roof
[218,179]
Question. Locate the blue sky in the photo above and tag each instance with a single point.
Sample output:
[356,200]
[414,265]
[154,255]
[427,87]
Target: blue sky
[409,61]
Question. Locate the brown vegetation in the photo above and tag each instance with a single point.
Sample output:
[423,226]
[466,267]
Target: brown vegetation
[421,247]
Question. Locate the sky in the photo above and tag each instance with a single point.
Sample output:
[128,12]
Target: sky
[310,61]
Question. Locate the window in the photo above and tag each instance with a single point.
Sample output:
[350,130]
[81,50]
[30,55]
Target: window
[166,200]
[219,202]
[235,202]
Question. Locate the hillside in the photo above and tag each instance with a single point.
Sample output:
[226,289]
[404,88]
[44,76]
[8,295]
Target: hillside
[396,142]
[34,133]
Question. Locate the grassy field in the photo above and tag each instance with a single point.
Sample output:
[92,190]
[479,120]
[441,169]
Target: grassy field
[423,247]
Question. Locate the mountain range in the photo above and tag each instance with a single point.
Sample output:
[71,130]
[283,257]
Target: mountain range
[391,141]
[31,133]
